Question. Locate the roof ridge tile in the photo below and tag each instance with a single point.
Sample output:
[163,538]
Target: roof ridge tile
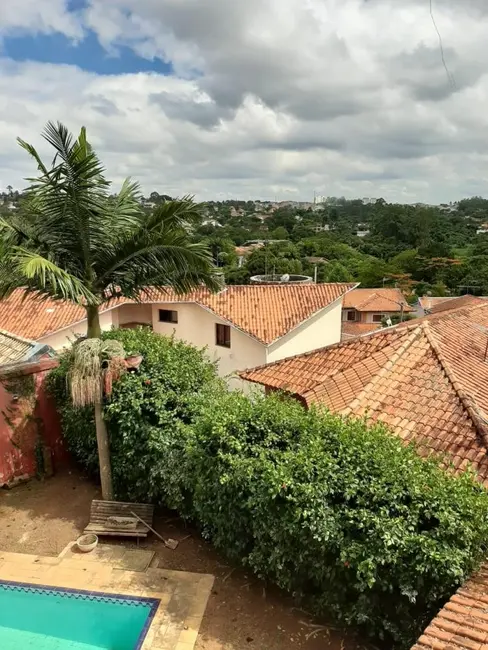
[468,403]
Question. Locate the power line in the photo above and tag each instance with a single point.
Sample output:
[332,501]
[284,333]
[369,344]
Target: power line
[450,77]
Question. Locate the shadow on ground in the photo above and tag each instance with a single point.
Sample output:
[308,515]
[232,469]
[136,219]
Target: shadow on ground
[242,614]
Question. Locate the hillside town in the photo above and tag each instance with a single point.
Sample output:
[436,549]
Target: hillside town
[123,333]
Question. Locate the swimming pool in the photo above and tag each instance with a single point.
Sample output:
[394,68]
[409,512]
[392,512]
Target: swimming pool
[34,617]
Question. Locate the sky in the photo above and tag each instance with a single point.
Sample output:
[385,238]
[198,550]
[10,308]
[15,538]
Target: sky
[261,99]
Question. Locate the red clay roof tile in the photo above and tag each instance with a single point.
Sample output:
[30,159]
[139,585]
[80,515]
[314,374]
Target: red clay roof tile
[427,380]
[378,300]
[265,312]
[462,624]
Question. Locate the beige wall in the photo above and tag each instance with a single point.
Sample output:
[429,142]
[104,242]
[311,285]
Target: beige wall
[367,316]
[64,338]
[134,314]
[324,328]
[197,326]
[364,316]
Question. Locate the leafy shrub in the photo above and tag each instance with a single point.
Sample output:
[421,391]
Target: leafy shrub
[339,513]
[148,416]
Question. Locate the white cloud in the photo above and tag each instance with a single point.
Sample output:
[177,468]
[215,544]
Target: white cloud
[269,96]
[39,16]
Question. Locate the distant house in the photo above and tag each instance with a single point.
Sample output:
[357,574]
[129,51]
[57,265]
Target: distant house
[425,379]
[362,230]
[243,252]
[363,310]
[242,326]
[437,304]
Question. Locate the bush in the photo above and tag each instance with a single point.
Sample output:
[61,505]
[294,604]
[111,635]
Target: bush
[148,416]
[339,513]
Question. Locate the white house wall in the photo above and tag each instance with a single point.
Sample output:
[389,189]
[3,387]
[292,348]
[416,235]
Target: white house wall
[197,326]
[134,314]
[322,329]
[65,338]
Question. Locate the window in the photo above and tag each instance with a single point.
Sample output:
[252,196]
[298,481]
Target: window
[377,318]
[168,316]
[222,335]
[351,315]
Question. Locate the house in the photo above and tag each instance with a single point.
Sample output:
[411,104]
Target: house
[426,379]
[242,326]
[437,304]
[243,252]
[363,310]
[362,230]
[15,349]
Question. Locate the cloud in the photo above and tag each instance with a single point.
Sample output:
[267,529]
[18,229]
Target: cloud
[335,96]
[39,17]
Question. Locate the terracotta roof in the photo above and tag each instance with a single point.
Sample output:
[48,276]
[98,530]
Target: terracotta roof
[428,302]
[462,624]
[428,381]
[265,312]
[14,348]
[379,300]
[31,317]
[455,303]
[350,329]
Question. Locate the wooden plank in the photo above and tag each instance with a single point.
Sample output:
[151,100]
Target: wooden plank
[98,511]
[100,530]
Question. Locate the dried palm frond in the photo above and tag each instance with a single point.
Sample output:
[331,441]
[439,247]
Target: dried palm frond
[95,365]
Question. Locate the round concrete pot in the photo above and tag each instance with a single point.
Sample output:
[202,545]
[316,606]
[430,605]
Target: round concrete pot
[87,543]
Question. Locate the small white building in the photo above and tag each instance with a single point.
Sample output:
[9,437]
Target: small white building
[241,327]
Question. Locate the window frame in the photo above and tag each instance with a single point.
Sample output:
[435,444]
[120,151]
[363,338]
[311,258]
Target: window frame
[173,316]
[222,341]
[376,319]
[351,312]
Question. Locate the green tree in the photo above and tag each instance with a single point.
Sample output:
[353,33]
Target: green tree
[337,272]
[75,242]
[279,233]
[371,273]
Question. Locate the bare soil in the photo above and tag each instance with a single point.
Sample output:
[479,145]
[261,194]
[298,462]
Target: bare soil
[242,613]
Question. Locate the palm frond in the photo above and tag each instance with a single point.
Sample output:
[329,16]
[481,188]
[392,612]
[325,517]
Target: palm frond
[36,273]
[160,252]
[76,242]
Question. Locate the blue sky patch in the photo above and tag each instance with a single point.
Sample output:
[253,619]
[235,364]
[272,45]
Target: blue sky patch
[88,54]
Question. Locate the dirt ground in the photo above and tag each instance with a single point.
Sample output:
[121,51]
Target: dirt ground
[242,614]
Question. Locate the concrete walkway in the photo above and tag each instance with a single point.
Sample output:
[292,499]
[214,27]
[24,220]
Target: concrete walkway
[183,596]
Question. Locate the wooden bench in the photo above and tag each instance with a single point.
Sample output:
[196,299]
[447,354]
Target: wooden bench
[101,511]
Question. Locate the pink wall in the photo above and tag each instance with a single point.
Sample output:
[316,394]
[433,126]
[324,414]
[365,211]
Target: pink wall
[27,419]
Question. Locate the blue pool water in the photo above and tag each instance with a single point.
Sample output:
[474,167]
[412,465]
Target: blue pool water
[45,618]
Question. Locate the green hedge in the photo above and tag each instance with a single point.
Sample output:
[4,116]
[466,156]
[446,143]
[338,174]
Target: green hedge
[338,513]
[147,417]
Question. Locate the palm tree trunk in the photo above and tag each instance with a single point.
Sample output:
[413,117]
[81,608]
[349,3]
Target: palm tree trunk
[103,454]
[94,331]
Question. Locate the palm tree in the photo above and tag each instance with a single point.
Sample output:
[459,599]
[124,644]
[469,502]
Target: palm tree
[94,365]
[74,241]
